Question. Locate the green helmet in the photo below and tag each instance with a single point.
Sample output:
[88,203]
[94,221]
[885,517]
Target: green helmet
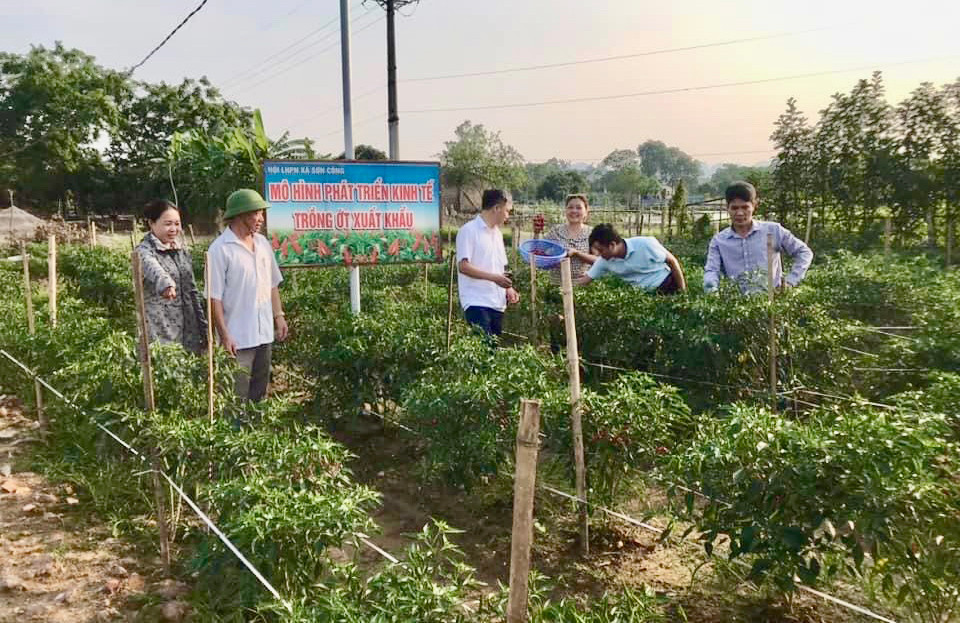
[243,201]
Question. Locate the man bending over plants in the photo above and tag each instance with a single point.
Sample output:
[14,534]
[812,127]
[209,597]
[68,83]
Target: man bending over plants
[740,251]
[485,289]
[641,261]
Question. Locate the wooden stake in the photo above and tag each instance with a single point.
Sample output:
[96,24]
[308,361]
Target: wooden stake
[31,327]
[27,290]
[150,405]
[887,235]
[133,241]
[533,299]
[453,273]
[93,234]
[948,255]
[210,344]
[52,277]
[426,273]
[193,239]
[515,243]
[806,235]
[524,484]
[771,256]
[576,425]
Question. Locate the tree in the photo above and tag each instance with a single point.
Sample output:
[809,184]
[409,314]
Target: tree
[365,152]
[792,168]
[478,157]
[205,167]
[149,117]
[537,172]
[54,105]
[667,164]
[556,186]
[677,208]
[726,174]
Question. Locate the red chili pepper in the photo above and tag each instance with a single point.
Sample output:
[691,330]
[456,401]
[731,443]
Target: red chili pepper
[394,247]
[322,249]
[347,257]
[374,255]
[275,243]
[284,249]
[418,242]
[296,246]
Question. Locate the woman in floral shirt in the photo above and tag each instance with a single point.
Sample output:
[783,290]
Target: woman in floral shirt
[173,305]
[573,235]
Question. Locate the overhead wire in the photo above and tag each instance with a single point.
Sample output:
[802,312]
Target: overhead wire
[689,89]
[618,57]
[167,38]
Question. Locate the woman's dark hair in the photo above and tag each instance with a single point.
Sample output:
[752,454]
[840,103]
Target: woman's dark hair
[604,234]
[582,197]
[741,190]
[155,209]
[492,197]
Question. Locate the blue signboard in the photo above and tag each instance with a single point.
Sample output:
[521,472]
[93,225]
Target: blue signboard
[353,213]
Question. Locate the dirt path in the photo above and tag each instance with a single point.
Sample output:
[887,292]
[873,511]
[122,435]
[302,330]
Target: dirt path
[56,563]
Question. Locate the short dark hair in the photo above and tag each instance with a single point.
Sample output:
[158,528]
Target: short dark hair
[741,190]
[492,197]
[155,209]
[604,234]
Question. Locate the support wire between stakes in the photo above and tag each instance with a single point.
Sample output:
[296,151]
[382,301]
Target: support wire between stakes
[203,517]
[641,524]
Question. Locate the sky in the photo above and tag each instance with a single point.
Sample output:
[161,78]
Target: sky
[283,57]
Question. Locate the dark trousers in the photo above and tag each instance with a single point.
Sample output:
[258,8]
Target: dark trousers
[251,382]
[668,285]
[488,320]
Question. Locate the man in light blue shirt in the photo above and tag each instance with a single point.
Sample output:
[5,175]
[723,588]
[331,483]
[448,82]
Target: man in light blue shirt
[740,251]
[640,261]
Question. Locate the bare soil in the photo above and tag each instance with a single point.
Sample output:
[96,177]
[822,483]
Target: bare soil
[59,564]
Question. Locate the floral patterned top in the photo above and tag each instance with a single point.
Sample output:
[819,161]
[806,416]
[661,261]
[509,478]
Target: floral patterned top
[180,320]
[558,233]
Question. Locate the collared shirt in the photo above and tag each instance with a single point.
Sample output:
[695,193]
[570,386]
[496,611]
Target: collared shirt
[482,246]
[744,258]
[644,265]
[242,280]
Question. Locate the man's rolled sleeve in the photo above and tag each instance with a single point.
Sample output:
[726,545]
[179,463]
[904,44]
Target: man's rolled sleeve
[218,275]
[797,249]
[713,268]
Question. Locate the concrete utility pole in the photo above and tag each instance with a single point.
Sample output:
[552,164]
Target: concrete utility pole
[393,115]
[348,153]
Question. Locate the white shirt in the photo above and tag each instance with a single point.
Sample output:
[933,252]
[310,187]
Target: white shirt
[242,281]
[482,246]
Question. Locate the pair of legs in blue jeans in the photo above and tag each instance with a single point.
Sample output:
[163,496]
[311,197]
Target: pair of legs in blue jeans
[488,320]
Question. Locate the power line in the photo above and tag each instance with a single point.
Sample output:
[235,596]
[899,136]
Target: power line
[575,100]
[619,57]
[303,60]
[696,155]
[167,38]
[256,68]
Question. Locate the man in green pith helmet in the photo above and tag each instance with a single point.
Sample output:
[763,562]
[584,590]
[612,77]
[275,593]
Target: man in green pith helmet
[244,292]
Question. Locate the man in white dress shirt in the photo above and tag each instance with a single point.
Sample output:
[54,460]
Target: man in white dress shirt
[485,289]
[244,292]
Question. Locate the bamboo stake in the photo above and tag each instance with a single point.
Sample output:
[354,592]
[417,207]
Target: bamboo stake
[210,345]
[515,243]
[806,235]
[533,299]
[948,260]
[524,485]
[887,235]
[150,405]
[773,324]
[93,234]
[31,327]
[193,239]
[111,227]
[453,272]
[133,241]
[52,277]
[576,425]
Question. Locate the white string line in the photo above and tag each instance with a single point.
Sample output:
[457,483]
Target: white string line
[226,541]
[878,331]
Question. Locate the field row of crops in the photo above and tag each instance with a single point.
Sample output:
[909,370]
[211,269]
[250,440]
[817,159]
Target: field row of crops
[815,486]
